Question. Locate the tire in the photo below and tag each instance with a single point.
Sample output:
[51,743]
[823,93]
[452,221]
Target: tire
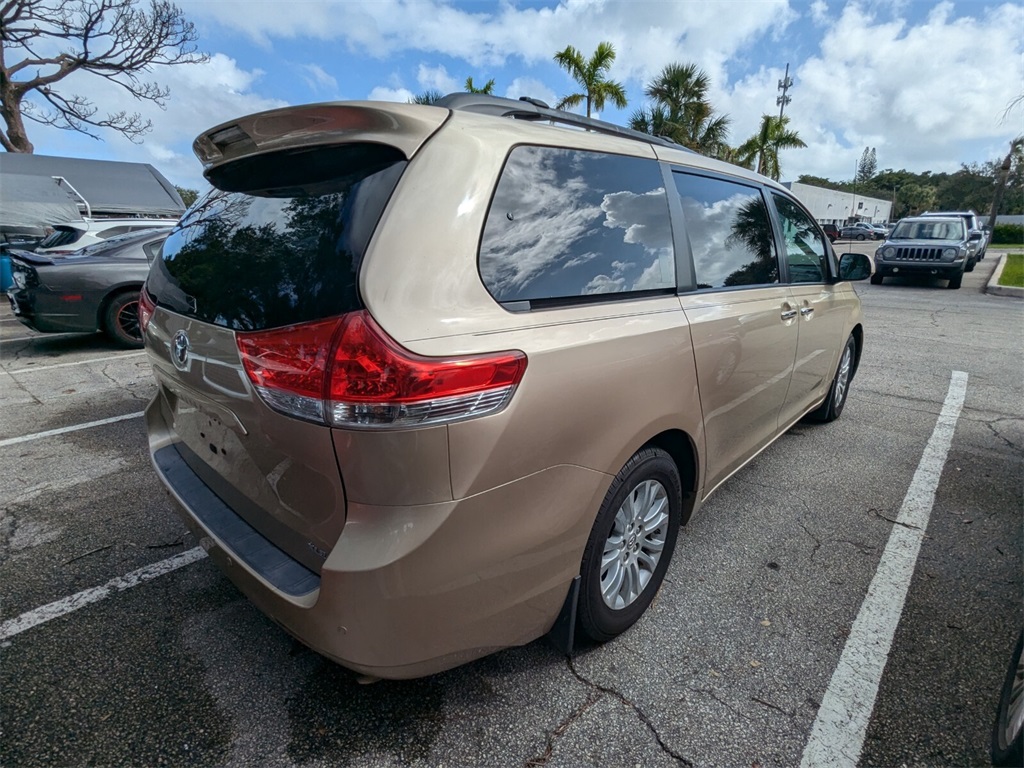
[876,279]
[970,265]
[832,408]
[862,237]
[621,570]
[1007,733]
[121,320]
[954,282]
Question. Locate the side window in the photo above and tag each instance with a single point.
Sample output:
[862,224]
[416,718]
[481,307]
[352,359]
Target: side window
[566,223]
[806,254]
[730,234]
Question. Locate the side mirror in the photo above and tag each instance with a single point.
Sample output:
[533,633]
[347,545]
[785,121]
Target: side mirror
[854,266]
[975,235]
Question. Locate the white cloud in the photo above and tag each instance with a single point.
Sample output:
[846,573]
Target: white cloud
[922,94]
[317,78]
[535,89]
[437,78]
[381,93]
[819,13]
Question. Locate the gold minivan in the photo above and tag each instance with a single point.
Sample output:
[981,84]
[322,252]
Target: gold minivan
[432,378]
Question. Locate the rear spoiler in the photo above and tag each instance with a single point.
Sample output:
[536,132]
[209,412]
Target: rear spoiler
[28,257]
[402,126]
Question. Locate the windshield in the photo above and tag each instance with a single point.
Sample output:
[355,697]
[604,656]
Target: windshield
[937,229]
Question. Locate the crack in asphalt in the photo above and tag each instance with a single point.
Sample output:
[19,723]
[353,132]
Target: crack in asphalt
[711,694]
[864,549]
[23,388]
[639,712]
[991,425]
[817,542]
[877,513]
[572,717]
[776,707]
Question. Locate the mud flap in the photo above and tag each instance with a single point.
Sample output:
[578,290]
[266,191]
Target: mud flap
[562,634]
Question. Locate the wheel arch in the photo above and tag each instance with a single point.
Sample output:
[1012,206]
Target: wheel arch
[101,308]
[682,450]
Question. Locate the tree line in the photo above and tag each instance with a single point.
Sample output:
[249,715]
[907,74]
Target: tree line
[989,188]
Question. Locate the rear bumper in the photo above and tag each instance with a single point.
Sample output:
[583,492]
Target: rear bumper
[46,312]
[409,590]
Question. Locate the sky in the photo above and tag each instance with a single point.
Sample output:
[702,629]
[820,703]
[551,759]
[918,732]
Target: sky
[927,84]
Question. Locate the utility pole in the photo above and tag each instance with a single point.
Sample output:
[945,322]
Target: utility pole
[784,85]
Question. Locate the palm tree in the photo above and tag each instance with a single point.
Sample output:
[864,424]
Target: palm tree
[766,143]
[487,90]
[591,76]
[431,96]
[681,110]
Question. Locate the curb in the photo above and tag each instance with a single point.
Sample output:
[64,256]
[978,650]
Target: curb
[996,289]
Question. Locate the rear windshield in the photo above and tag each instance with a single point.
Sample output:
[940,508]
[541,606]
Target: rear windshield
[280,241]
[61,236]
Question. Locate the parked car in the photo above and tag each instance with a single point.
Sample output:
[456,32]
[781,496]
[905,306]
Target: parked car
[68,238]
[431,378]
[973,222]
[860,231]
[927,245]
[1008,731]
[94,289]
[881,231]
[831,231]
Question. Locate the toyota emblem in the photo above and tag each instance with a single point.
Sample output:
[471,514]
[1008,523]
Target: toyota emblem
[179,350]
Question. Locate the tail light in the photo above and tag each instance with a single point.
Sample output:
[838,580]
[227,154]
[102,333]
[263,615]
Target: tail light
[146,309]
[347,372]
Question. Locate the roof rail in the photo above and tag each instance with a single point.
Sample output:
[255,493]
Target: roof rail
[535,109]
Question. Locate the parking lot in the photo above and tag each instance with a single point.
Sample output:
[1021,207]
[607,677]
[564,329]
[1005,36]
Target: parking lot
[123,645]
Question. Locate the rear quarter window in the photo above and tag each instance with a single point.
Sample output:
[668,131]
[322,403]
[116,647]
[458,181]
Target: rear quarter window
[568,224]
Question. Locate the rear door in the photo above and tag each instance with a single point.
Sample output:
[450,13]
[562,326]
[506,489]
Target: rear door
[742,318]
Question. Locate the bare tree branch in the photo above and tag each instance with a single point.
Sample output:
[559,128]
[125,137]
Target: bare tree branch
[120,41]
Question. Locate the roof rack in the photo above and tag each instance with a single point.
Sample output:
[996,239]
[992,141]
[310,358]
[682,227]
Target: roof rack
[536,110]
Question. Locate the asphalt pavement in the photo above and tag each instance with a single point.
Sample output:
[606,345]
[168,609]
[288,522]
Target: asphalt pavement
[151,663]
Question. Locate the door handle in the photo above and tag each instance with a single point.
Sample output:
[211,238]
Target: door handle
[788,314]
[807,312]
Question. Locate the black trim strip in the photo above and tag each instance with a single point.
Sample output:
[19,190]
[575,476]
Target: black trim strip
[238,537]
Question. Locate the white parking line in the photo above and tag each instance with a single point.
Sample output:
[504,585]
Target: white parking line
[67,605]
[837,736]
[33,368]
[65,430]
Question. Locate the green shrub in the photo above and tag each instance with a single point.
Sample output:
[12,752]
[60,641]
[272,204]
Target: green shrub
[1008,234]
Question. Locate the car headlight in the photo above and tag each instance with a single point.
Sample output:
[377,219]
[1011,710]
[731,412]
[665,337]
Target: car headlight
[19,278]
[885,253]
[950,253]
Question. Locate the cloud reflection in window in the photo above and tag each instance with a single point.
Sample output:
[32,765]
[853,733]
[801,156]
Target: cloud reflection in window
[567,223]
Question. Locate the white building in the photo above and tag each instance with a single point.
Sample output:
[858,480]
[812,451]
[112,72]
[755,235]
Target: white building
[830,206]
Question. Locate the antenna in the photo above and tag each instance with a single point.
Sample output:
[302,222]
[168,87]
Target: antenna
[784,85]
